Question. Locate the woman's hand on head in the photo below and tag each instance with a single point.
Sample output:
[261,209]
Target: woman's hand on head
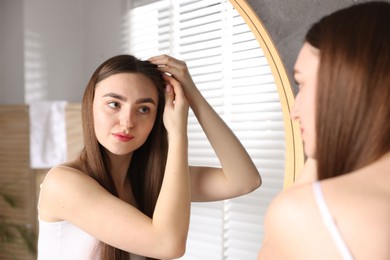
[175,68]
[176,107]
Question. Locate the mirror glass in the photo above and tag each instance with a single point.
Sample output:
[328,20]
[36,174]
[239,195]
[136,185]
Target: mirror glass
[227,62]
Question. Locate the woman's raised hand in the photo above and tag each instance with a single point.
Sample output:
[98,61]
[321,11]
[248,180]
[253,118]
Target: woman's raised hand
[176,107]
[176,69]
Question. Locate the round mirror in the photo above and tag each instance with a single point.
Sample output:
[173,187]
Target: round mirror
[237,68]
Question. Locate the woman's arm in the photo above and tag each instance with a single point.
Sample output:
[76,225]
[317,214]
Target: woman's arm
[172,211]
[71,195]
[238,174]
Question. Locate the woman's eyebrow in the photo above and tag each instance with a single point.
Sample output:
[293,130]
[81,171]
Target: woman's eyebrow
[114,95]
[145,100]
[124,99]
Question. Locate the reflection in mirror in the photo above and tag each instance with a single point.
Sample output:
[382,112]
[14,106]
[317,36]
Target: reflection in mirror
[293,139]
[232,71]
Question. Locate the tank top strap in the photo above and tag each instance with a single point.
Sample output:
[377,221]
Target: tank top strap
[330,223]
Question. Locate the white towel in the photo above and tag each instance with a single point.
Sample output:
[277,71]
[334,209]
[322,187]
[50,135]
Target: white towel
[47,134]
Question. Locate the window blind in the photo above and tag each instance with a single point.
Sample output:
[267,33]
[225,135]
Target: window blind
[230,69]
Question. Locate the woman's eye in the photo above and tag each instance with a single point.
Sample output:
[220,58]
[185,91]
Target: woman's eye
[297,83]
[113,104]
[144,110]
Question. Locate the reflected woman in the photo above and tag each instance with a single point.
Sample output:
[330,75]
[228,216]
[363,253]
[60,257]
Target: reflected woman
[128,194]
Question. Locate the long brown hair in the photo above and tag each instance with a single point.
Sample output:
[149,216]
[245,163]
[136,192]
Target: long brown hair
[353,91]
[147,166]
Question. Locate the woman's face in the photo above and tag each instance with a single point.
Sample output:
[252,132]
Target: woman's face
[305,74]
[124,111]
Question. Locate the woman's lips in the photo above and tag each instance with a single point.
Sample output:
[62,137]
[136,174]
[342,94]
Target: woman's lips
[123,137]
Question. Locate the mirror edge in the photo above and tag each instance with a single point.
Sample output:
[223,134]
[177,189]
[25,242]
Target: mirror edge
[294,147]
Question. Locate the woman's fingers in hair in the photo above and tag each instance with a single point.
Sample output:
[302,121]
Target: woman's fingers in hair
[173,67]
[176,107]
[163,60]
[174,88]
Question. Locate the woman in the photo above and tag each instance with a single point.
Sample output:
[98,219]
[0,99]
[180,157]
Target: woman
[340,209]
[130,189]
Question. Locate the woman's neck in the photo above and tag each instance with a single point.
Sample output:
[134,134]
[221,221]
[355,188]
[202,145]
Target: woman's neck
[119,168]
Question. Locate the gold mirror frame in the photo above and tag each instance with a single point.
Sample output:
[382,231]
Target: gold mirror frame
[294,158]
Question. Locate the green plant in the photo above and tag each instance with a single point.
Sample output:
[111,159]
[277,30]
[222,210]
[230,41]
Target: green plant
[10,232]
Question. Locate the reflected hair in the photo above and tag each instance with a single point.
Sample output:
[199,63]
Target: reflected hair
[353,87]
[147,167]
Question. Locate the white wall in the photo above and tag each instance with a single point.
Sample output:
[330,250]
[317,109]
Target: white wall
[103,32]
[49,48]
[11,52]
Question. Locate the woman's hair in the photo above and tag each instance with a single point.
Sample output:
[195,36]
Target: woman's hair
[147,166]
[353,87]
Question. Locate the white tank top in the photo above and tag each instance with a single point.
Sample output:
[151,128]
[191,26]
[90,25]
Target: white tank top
[63,241]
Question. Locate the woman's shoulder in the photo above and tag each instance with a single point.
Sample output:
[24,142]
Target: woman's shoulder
[289,222]
[358,199]
[61,186]
[291,210]
[291,203]
[63,174]
[65,179]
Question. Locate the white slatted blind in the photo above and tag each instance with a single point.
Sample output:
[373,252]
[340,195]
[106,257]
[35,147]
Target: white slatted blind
[230,69]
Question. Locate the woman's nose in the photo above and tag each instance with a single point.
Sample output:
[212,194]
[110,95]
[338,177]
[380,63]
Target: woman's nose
[128,119]
[294,114]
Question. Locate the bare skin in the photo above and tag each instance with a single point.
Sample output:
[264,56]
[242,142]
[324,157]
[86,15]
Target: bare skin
[293,212]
